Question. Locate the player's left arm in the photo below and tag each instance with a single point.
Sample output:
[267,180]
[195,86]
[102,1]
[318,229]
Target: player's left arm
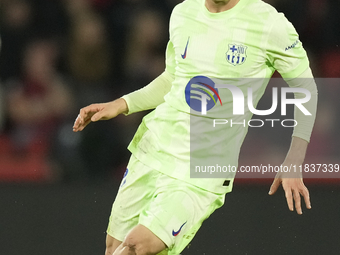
[287,55]
[292,183]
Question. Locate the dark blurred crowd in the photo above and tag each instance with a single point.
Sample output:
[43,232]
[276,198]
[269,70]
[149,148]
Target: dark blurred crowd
[60,55]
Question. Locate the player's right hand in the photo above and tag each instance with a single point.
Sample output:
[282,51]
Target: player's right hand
[95,112]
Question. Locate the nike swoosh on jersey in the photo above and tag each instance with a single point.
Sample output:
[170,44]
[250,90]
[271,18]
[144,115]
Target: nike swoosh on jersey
[185,51]
[175,233]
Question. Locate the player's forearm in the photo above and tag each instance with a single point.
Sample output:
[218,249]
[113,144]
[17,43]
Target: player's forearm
[305,124]
[120,105]
[297,151]
[150,96]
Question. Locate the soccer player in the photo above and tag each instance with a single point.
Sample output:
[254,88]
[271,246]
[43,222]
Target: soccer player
[159,208]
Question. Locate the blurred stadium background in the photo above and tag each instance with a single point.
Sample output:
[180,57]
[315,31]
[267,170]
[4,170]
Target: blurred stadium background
[56,186]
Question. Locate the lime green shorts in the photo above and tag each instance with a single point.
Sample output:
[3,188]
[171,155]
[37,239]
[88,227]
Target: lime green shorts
[172,209]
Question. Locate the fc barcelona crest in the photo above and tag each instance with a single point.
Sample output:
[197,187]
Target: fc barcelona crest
[236,55]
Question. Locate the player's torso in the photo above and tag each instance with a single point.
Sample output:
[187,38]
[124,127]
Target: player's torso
[227,46]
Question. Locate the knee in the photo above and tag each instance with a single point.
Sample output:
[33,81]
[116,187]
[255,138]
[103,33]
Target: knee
[135,245]
[109,249]
[111,245]
[141,241]
[139,245]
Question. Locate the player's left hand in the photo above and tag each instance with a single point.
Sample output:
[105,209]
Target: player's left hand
[294,188]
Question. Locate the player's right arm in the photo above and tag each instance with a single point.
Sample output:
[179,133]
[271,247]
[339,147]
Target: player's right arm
[95,112]
[145,98]
[148,97]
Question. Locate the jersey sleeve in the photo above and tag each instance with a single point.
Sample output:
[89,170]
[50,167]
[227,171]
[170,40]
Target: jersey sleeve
[305,122]
[284,49]
[150,96]
[170,62]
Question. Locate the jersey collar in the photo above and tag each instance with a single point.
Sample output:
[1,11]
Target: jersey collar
[225,14]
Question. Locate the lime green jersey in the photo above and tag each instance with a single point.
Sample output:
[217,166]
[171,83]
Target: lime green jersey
[246,43]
